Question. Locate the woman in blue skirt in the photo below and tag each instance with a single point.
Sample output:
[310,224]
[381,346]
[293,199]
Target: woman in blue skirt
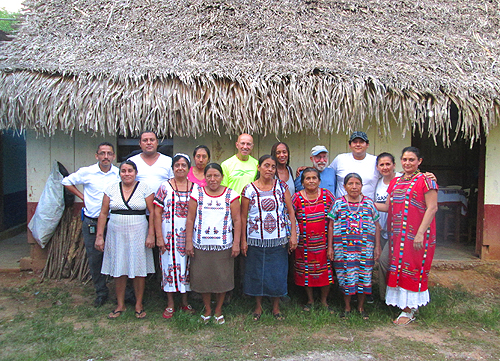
[266,207]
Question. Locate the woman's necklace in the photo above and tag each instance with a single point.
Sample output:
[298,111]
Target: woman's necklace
[183,203]
[309,199]
[408,177]
[349,207]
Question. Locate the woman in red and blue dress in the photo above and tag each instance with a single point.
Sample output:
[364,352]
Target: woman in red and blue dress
[355,235]
[312,268]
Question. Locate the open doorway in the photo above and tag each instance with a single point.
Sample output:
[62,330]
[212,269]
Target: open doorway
[459,169]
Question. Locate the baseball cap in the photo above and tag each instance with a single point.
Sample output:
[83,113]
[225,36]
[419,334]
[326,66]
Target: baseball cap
[318,149]
[360,135]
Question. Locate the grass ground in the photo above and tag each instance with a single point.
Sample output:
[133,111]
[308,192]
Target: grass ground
[55,320]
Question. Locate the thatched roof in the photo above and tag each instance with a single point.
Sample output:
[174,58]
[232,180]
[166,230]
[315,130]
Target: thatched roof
[188,66]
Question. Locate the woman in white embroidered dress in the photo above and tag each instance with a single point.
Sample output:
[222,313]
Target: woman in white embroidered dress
[266,205]
[213,215]
[130,237]
[172,199]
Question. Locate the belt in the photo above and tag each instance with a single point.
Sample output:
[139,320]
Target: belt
[92,219]
[129,212]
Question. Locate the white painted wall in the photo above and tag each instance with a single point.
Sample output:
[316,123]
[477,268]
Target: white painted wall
[492,170]
[78,150]
[300,144]
[72,151]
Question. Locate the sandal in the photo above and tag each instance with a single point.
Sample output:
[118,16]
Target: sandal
[329,309]
[168,313]
[188,309]
[256,316]
[409,315]
[219,320]
[307,307]
[364,314]
[278,316]
[344,315]
[204,319]
[140,314]
[115,314]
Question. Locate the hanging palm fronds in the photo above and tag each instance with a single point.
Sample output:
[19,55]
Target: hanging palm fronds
[266,66]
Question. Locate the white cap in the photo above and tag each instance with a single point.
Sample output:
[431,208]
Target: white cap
[318,149]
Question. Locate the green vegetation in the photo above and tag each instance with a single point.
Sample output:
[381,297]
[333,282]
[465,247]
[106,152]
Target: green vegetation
[7,25]
[55,320]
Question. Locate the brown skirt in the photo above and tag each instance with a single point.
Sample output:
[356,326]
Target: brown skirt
[212,271]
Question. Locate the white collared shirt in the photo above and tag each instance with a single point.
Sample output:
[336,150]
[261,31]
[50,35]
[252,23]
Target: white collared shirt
[94,182]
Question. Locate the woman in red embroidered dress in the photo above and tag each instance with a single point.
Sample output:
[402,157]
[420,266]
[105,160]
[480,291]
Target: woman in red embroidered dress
[412,204]
[312,268]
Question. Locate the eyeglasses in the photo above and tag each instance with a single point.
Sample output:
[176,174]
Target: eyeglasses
[109,154]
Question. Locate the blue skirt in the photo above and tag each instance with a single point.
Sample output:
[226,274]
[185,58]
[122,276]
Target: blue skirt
[266,271]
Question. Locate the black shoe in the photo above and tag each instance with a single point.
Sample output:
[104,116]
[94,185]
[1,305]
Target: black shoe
[369,298]
[130,300]
[100,300]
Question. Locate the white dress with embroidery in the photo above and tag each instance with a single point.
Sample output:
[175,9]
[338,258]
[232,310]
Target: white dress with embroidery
[174,262]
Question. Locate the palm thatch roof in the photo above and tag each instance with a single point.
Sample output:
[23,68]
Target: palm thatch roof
[186,67]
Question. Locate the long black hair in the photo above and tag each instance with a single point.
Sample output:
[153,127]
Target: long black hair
[215,166]
[262,160]
[274,148]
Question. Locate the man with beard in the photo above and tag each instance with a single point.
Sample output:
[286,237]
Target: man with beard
[357,161]
[319,159]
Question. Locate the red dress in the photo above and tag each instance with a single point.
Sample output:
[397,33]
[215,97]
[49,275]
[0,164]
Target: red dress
[408,268]
[312,267]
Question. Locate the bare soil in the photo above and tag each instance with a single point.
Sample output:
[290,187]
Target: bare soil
[481,279]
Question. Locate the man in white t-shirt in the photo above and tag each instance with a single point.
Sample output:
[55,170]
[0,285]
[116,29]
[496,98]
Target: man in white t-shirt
[95,179]
[357,161]
[153,168]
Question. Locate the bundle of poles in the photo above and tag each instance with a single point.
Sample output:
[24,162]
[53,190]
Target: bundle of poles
[66,256]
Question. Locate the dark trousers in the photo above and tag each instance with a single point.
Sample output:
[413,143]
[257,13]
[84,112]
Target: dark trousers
[95,258]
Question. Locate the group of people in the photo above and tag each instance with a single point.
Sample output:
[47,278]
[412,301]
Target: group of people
[335,220]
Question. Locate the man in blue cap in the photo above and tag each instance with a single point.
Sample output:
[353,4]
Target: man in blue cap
[319,159]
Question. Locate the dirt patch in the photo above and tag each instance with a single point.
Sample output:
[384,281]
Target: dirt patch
[482,280]
[23,293]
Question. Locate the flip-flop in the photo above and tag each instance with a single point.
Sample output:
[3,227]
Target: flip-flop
[115,314]
[140,314]
[307,307]
[204,319]
[409,315]
[344,315]
[168,313]
[364,314]
[188,309]
[256,316]
[329,309]
[278,316]
[219,320]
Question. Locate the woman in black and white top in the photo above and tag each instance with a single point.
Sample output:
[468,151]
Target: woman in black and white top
[130,236]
